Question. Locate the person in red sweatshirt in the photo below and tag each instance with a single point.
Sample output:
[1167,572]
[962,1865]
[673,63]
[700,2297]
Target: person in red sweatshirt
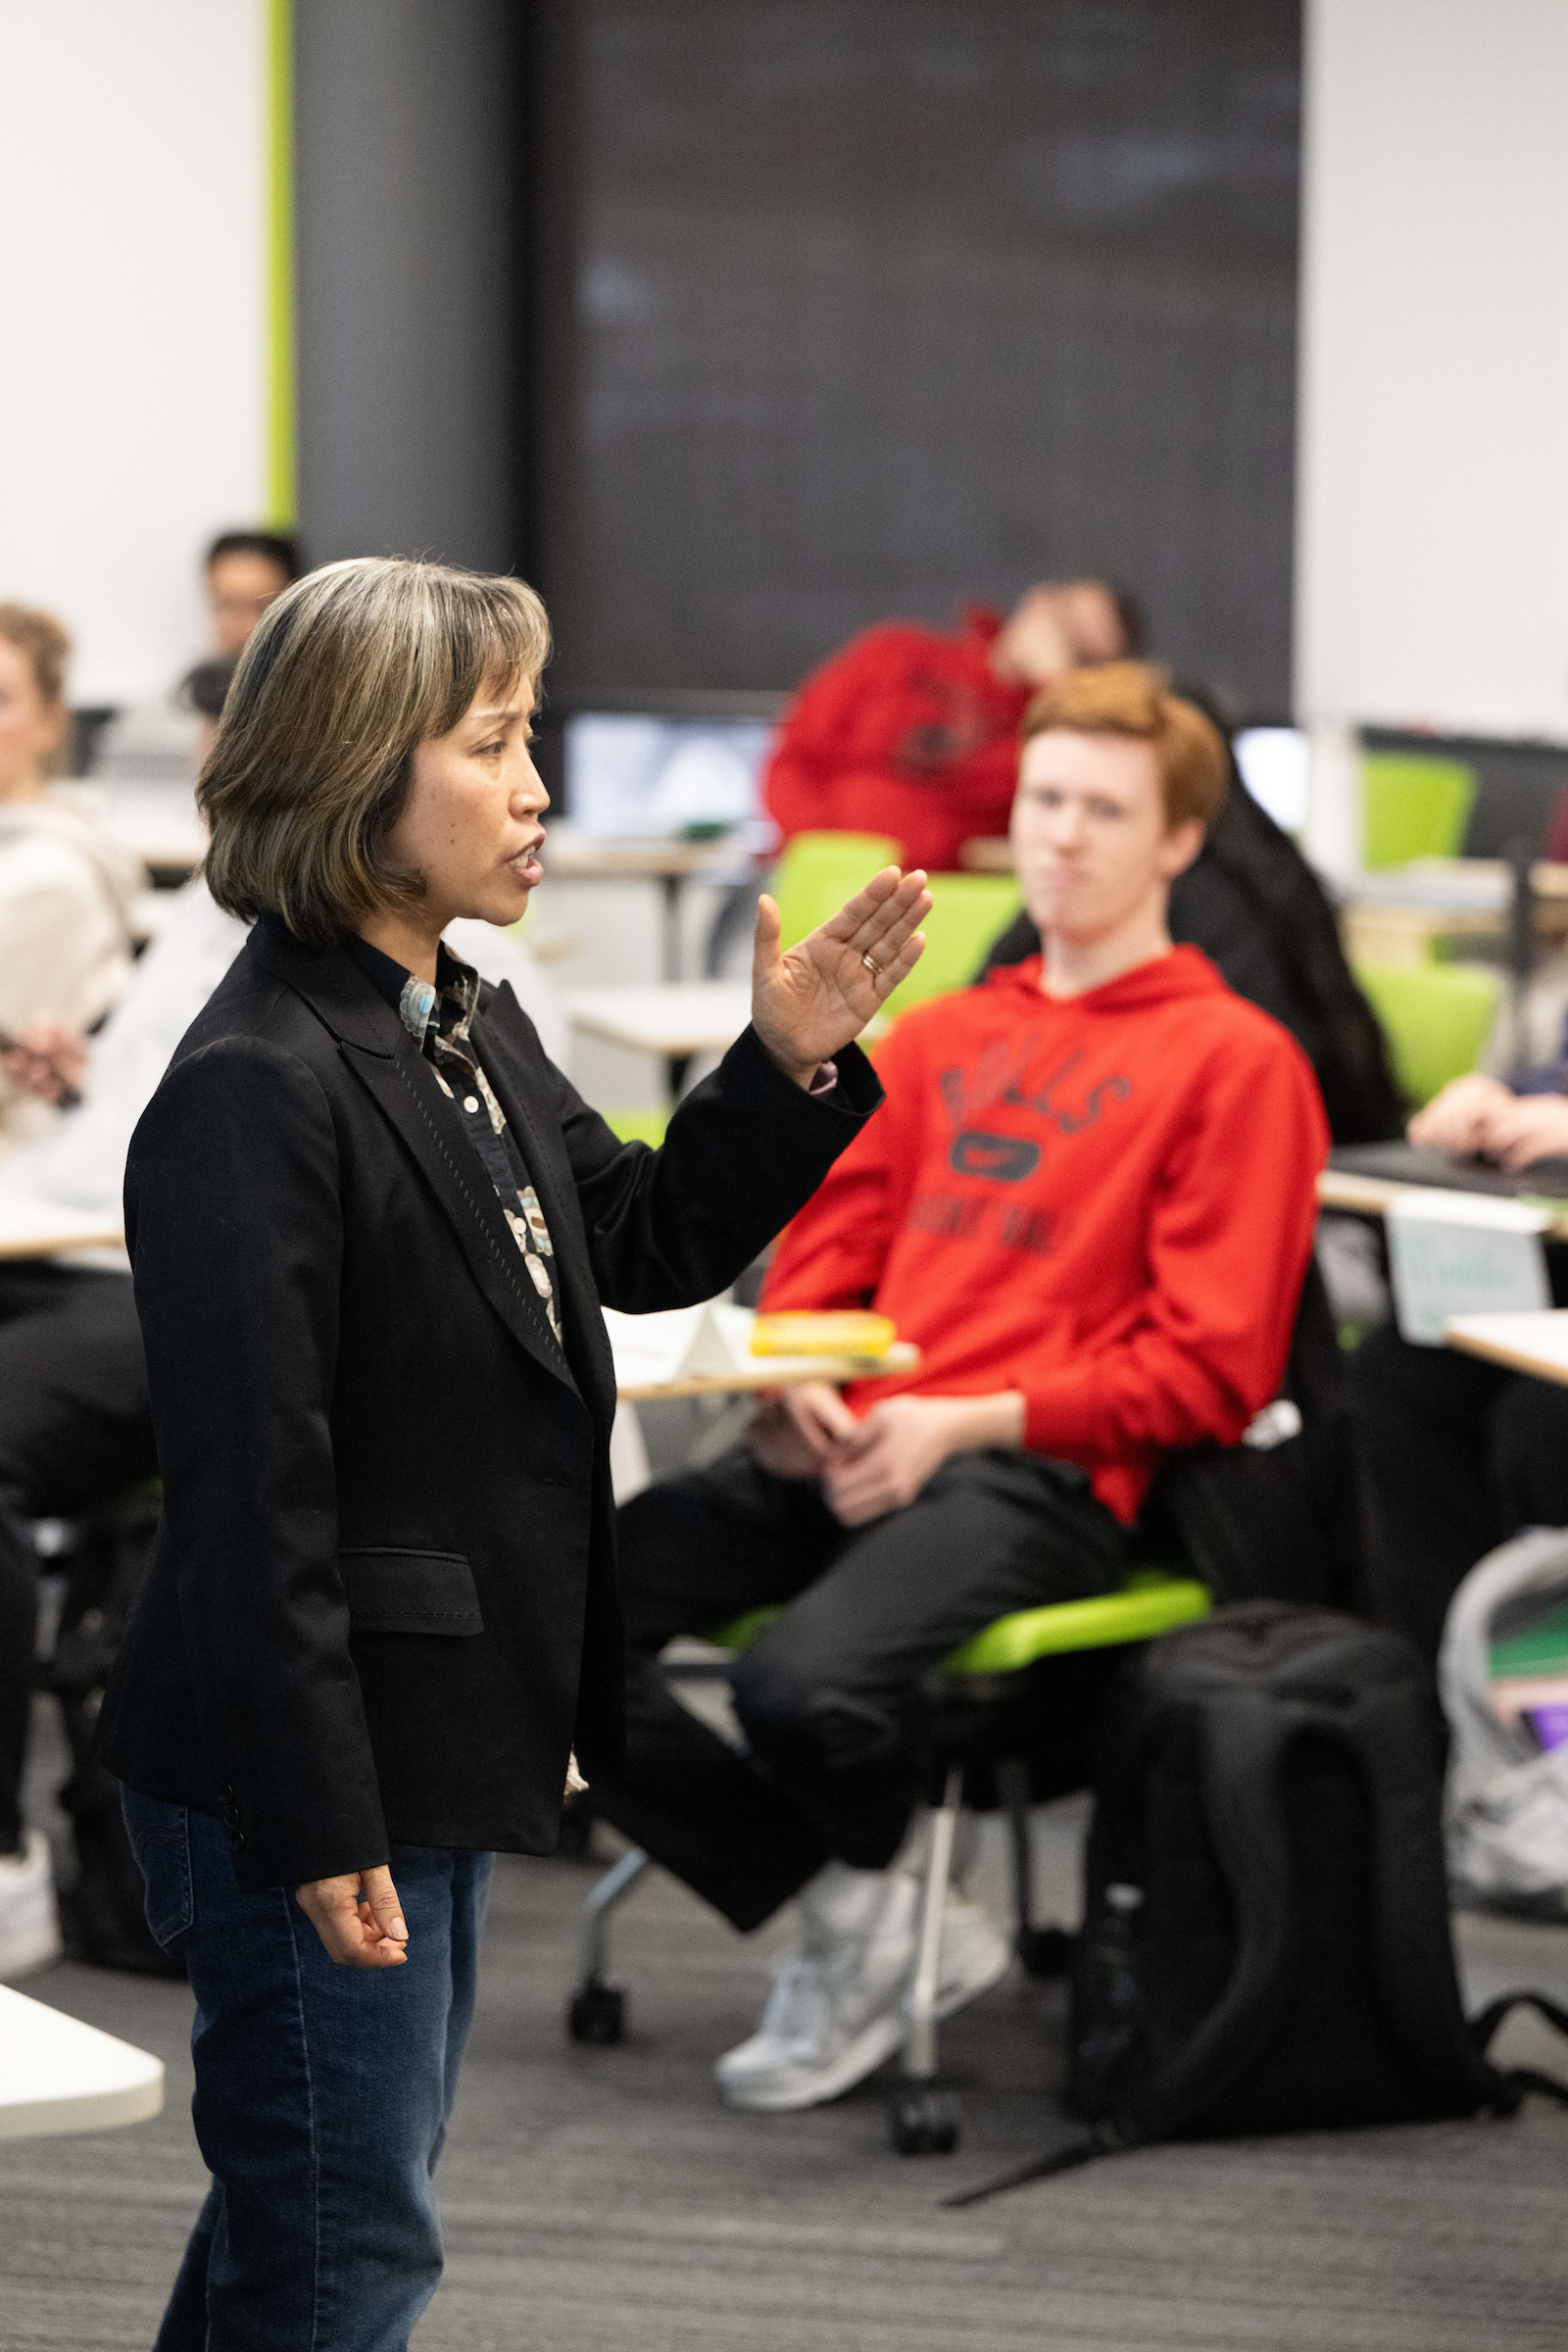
[1089,1198]
[914,731]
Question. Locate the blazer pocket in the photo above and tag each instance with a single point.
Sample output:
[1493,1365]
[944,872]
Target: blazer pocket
[392,1592]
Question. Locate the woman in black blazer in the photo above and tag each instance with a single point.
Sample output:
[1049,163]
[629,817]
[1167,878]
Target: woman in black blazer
[371,1226]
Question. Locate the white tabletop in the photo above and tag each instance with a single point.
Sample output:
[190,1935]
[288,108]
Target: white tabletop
[58,2074]
[1533,1340]
[688,1016]
[37,1228]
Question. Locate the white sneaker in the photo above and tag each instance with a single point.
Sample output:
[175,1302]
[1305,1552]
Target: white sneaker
[837,2009]
[29,1922]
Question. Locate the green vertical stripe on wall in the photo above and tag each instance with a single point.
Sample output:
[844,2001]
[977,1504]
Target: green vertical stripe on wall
[282,474]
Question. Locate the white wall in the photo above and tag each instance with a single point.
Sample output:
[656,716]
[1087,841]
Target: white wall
[1431,548]
[132,317]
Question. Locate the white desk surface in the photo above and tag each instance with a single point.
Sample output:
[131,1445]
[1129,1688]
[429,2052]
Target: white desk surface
[58,2074]
[685,1016]
[37,1228]
[772,1372]
[1534,1341]
[1338,1188]
[589,857]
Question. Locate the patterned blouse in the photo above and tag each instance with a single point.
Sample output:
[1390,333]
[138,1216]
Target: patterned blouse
[438,1018]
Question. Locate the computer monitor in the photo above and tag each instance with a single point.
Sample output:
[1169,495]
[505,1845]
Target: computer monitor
[629,773]
[1274,763]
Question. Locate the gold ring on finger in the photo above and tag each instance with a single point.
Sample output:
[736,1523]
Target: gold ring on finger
[874,968]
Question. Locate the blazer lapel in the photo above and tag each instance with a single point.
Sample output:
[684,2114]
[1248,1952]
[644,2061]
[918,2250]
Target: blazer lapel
[382,1056]
[406,1095]
[581,1317]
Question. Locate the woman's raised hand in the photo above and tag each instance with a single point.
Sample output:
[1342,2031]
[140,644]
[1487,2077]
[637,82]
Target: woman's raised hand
[810,1002]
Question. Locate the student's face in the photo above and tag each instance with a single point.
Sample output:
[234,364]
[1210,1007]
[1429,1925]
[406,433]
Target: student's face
[470,823]
[239,588]
[1089,834]
[29,727]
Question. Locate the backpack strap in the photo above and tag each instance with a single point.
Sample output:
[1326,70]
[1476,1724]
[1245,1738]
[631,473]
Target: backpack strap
[1483,2029]
[1243,1737]
[1412,1939]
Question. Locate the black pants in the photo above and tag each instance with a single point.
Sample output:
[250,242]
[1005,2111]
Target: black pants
[828,1697]
[75,1427]
[1455,1456]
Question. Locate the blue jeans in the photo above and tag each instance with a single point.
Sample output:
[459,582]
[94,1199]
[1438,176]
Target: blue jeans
[322,2098]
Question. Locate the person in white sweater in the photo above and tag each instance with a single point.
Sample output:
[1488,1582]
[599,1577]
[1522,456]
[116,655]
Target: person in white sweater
[67,886]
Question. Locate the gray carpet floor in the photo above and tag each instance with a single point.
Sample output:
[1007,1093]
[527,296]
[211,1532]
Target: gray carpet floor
[603,2201]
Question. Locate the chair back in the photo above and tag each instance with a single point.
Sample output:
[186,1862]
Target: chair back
[817,871]
[1413,806]
[1435,1016]
[968,913]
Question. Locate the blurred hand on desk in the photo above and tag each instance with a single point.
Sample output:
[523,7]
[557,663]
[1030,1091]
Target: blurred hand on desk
[1475,1114]
[47,1059]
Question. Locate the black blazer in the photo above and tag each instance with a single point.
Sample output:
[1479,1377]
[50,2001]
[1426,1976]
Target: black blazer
[383,1607]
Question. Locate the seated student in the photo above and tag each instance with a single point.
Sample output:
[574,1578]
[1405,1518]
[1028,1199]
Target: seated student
[75,1425]
[1456,1455]
[914,731]
[65,885]
[1089,1199]
[246,571]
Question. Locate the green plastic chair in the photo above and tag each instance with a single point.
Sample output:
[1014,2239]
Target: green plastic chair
[1435,1016]
[817,871]
[927,2116]
[1413,806]
[967,913]
[638,1126]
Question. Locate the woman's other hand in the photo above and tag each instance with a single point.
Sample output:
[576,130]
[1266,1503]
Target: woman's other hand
[813,1000]
[1456,1120]
[358,1918]
[802,1432]
[47,1059]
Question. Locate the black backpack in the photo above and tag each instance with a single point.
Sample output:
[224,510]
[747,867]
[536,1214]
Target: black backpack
[1267,1942]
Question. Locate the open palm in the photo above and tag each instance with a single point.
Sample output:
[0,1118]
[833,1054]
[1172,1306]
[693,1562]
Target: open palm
[809,1002]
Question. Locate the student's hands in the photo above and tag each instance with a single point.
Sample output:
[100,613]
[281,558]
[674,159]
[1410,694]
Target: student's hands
[905,1441]
[808,1005]
[801,1432]
[1527,1127]
[48,1060]
[358,1918]
[1457,1119]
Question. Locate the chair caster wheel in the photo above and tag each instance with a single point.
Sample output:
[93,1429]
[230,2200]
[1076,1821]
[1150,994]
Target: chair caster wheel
[1045,1951]
[925,2118]
[597,2015]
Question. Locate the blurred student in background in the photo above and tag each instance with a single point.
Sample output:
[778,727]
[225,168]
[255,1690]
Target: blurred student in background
[67,886]
[914,731]
[1457,1455]
[246,571]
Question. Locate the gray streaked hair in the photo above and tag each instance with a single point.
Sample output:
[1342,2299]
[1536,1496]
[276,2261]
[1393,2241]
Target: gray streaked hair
[346,674]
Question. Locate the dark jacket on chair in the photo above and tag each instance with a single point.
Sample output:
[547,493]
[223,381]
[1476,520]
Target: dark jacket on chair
[383,1607]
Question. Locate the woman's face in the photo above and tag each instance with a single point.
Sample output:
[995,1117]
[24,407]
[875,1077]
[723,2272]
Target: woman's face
[470,823]
[29,727]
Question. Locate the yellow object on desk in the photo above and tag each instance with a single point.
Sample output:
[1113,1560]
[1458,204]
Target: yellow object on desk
[850,1331]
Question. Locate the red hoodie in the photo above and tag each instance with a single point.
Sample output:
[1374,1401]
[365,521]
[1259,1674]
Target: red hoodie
[908,732]
[1104,1201]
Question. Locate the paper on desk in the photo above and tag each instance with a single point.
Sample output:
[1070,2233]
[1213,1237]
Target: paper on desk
[713,1339]
[1458,1253]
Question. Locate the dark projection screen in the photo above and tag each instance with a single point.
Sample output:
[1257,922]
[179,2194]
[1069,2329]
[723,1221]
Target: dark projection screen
[874,307]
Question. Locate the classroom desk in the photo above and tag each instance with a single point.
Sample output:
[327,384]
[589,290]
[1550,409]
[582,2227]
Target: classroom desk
[58,2074]
[583,858]
[37,1228]
[1370,1196]
[1529,1340]
[678,1020]
[772,1372]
